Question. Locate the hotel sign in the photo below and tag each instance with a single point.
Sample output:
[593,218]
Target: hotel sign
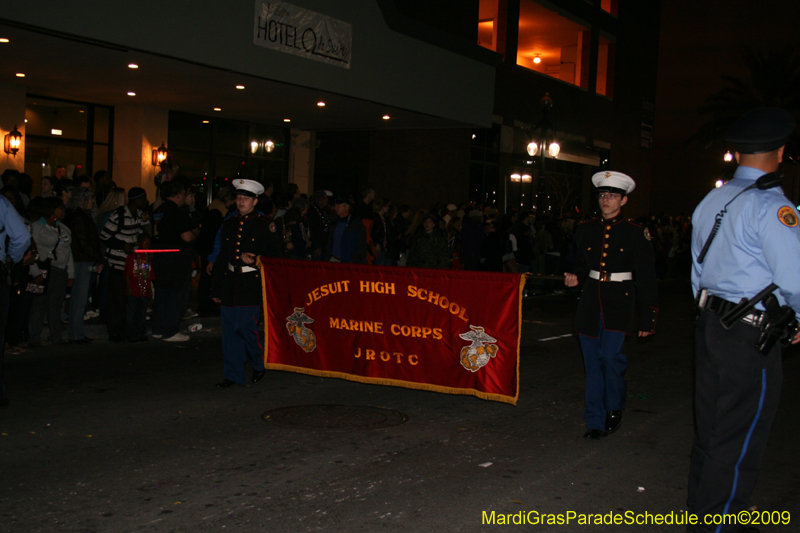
[294,30]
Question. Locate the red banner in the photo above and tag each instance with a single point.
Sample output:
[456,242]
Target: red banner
[447,331]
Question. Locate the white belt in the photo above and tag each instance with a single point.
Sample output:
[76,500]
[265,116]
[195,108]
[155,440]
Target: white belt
[610,276]
[240,269]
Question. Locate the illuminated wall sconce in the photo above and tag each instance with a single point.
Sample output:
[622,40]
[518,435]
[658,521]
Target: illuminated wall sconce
[159,154]
[728,157]
[269,146]
[533,149]
[537,59]
[13,141]
[253,147]
[526,179]
[516,177]
[554,149]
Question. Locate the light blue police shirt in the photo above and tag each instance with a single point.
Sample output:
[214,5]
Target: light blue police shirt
[12,225]
[753,247]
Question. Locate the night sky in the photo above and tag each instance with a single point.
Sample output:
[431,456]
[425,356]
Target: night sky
[700,41]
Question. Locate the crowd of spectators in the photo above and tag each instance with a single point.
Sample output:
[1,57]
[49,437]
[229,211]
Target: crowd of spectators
[470,236]
[101,253]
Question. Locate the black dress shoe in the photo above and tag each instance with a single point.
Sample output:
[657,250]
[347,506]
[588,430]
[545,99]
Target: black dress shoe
[258,375]
[613,421]
[595,434]
[225,384]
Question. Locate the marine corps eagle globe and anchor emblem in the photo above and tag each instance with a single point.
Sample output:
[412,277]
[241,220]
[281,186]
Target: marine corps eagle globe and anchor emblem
[476,355]
[296,324]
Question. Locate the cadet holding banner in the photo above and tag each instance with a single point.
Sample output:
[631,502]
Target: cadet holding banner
[237,282]
[756,241]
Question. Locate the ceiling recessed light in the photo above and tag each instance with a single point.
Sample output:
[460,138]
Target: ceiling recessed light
[386,117]
[321,104]
[131,93]
[3,40]
[240,87]
[287,120]
[217,109]
[133,65]
[20,75]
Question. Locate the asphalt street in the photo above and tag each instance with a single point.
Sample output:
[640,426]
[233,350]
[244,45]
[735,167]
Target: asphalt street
[135,437]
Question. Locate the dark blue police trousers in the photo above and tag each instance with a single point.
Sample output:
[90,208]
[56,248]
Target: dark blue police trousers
[737,391]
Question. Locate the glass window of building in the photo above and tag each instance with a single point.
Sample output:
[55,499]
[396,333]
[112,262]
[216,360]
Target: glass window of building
[553,44]
[212,152]
[484,169]
[61,133]
[56,118]
[605,67]
[610,6]
[488,24]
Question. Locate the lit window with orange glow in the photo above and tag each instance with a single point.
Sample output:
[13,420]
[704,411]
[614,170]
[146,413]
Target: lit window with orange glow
[553,44]
[609,6]
[605,66]
[487,24]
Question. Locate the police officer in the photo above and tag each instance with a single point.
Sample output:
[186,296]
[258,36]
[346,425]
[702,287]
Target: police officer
[737,388]
[614,262]
[237,282]
[13,230]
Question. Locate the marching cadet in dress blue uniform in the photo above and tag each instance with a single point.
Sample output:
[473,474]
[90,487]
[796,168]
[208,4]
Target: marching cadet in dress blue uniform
[737,387]
[614,263]
[237,283]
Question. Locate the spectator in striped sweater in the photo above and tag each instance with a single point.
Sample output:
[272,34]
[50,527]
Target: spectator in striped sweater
[119,235]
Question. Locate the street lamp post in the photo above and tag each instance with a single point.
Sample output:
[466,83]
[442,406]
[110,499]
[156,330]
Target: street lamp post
[553,148]
[728,166]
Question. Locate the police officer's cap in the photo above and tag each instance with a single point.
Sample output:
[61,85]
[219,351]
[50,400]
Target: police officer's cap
[761,130]
[612,181]
[249,188]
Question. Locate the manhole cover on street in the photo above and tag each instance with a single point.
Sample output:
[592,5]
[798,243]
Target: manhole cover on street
[335,417]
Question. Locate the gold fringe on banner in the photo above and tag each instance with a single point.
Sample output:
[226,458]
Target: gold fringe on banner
[397,383]
[264,312]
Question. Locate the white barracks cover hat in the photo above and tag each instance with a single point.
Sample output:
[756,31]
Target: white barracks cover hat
[612,181]
[248,187]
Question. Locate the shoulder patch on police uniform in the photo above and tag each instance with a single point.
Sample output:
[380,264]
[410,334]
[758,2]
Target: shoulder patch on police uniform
[787,217]
[647,234]
[272,227]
